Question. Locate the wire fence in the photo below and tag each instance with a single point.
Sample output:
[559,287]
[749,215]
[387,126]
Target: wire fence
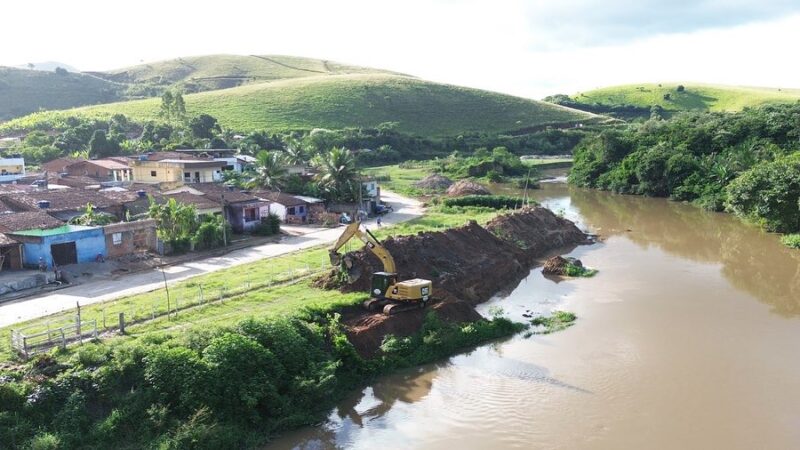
[172,299]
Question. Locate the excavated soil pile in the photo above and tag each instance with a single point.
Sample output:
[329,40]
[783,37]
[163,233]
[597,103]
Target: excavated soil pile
[466,187]
[557,265]
[467,265]
[434,182]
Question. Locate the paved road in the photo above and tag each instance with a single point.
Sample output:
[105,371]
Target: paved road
[104,290]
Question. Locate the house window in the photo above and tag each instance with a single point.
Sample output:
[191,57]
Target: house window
[187,174]
[250,214]
[152,173]
[301,209]
[116,238]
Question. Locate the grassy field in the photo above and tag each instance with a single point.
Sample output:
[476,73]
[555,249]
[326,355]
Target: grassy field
[695,97]
[273,286]
[210,72]
[399,180]
[25,91]
[339,101]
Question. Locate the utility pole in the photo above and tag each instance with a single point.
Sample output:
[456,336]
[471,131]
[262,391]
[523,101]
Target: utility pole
[224,224]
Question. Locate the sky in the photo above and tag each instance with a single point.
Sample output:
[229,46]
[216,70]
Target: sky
[530,48]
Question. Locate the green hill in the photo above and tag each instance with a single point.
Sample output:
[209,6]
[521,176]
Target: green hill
[694,97]
[338,101]
[25,91]
[210,72]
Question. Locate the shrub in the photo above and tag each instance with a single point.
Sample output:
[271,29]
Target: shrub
[769,194]
[242,376]
[791,240]
[269,225]
[210,233]
[178,375]
[486,201]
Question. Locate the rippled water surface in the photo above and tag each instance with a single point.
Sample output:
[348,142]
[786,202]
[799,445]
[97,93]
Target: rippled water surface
[687,338]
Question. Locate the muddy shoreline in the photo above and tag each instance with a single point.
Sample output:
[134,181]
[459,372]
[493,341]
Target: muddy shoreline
[468,265]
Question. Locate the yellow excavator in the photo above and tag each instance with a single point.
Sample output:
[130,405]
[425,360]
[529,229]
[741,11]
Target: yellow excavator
[388,294]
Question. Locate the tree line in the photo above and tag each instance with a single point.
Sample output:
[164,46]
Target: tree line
[747,163]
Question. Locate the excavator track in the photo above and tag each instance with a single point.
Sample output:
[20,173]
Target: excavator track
[389,307]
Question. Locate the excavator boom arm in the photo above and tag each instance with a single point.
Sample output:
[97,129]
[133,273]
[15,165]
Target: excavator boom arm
[354,229]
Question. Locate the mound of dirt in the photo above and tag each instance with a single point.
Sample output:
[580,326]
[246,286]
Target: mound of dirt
[557,265]
[467,265]
[467,187]
[434,182]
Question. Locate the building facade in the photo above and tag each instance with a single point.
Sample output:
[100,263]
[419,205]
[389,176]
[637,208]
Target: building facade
[11,169]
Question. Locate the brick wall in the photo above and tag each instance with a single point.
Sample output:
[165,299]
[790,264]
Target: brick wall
[131,237]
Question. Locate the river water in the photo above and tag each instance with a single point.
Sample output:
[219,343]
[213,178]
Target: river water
[688,337]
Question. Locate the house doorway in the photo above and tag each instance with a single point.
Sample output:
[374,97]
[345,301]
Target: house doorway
[64,254]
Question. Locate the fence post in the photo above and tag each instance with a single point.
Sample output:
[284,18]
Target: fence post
[122,323]
[63,339]
[25,346]
[201,293]
[104,318]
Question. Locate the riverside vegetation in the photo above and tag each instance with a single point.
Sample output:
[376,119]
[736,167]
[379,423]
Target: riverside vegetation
[224,376]
[746,163]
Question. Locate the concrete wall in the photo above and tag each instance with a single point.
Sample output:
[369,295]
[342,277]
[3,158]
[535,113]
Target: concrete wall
[89,243]
[133,237]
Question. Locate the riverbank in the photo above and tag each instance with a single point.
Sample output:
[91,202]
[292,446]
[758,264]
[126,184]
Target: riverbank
[467,265]
[228,373]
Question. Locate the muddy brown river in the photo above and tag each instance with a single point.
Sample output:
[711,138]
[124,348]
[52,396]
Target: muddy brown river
[689,337]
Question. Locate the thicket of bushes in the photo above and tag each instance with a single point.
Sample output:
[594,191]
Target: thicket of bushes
[747,162]
[486,201]
[227,387]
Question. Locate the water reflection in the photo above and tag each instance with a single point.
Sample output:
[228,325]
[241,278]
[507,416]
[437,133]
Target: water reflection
[362,408]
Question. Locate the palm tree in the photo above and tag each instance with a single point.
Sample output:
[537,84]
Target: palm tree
[270,171]
[337,175]
[295,152]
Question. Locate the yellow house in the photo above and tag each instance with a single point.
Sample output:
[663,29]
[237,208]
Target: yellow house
[175,170]
[11,169]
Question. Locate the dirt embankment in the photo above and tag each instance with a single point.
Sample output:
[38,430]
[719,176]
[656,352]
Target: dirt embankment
[467,265]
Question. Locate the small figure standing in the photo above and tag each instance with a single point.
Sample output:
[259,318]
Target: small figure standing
[42,265]
[379,220]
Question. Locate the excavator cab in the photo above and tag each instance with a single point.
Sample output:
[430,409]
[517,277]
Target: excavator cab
[381,282]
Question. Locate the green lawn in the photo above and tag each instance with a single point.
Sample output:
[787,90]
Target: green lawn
[340,101]
[695,97]
[395,179]
[267,287]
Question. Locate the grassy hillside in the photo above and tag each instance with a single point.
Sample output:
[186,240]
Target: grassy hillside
[696,97]
[25,91]
[210,72]
[338,101]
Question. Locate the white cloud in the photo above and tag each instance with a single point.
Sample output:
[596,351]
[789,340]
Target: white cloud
[500,45]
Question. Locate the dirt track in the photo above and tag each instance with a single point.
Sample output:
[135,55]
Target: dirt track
[468,265]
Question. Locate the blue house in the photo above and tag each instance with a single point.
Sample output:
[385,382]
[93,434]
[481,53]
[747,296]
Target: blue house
[43,237]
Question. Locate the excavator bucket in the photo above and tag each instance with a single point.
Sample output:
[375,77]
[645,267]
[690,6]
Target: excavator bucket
[335,258]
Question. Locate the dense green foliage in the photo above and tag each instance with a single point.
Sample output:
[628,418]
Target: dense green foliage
[573,270]
[556,321]
[228,387]
[791,240]
[698,157]
[769,194]
[486,201]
